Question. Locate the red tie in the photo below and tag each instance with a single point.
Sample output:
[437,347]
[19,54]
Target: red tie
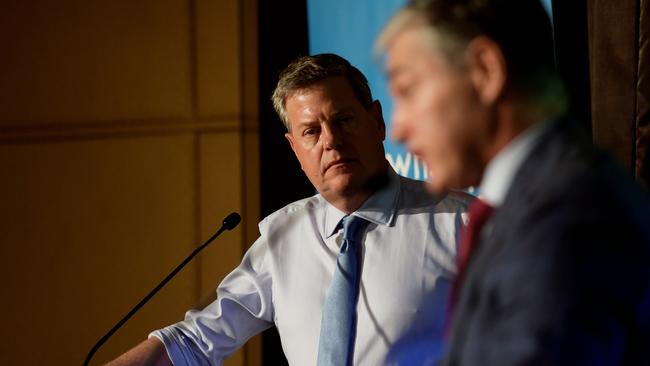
[479,212]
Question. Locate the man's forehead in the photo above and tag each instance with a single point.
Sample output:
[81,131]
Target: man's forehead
[412,53]
[400,51]
[397,68]
[304,110]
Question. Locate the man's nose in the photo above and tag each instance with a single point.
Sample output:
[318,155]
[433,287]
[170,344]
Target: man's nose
[332,138]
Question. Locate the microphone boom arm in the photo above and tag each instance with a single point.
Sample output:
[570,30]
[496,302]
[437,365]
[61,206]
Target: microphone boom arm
[229,223]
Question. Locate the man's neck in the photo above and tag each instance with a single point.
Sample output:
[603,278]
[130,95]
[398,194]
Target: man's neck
[500,172]
[512,120]
[518,127]
[349,204]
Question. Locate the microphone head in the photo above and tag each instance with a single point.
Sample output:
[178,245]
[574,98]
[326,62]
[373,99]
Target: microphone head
[231,221]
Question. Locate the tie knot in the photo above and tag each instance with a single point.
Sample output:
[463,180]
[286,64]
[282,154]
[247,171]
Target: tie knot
[353,226]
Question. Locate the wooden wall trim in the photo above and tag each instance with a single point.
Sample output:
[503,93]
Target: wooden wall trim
[613,58]
[69,131]
[642,142]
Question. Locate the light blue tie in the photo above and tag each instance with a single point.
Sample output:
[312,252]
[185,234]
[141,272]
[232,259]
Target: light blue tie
[338,324]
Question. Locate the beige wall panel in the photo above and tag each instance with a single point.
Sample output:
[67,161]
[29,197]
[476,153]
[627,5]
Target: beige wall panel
[88,228]
[218,57]
[89,61]
[250,61]
[251,185]
[221,193]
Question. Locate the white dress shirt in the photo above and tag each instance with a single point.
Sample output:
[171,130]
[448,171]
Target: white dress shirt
[501,170]
[407,265]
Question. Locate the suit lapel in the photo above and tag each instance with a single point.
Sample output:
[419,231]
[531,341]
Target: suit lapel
[529,190]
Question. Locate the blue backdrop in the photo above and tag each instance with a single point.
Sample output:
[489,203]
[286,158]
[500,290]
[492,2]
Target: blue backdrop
[349,28]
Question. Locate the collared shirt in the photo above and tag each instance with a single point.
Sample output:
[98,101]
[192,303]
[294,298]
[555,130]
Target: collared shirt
[407,265]
[501,170]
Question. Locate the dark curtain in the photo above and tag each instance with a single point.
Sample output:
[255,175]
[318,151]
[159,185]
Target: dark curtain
[620,81]
[282,37]
[572,56]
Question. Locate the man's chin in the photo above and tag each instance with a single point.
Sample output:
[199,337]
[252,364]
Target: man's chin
[437,188]
[439,185]
[342,186]
[441,181]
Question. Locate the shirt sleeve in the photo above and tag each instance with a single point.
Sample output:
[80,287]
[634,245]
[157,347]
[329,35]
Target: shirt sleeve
[242,309]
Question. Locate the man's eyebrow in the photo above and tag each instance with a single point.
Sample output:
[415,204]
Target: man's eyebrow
[307,123]
[342,111]
[335,114]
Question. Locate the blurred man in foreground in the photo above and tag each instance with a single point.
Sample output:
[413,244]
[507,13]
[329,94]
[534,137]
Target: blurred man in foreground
[559,273]
[358,274]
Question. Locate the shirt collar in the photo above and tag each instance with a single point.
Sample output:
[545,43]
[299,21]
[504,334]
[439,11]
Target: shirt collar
[501,170]
[379,208]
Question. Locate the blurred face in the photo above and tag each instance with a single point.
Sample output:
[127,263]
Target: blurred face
[437,112]
[337,141]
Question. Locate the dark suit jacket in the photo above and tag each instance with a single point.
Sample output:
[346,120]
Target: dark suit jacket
[563,276]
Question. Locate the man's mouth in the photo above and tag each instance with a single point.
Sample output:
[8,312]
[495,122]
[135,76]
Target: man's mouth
[337,163]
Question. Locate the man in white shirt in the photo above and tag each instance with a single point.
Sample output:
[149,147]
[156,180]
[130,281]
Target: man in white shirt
[560,272]
[405,255]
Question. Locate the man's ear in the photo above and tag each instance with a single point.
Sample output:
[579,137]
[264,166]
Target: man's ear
[487,68]
[292,143]
[377,114]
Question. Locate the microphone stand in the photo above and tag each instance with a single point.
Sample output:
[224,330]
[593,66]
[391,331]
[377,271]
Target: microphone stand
[229,223]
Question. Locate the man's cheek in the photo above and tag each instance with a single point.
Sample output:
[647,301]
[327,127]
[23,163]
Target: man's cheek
[437,134]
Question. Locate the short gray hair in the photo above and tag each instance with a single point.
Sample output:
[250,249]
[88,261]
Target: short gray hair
[305,71]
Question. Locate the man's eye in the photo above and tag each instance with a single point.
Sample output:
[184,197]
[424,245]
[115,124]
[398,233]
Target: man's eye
[345,120]
[403,92]
[309,132]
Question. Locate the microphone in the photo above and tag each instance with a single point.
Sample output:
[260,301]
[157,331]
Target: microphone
[229,223]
